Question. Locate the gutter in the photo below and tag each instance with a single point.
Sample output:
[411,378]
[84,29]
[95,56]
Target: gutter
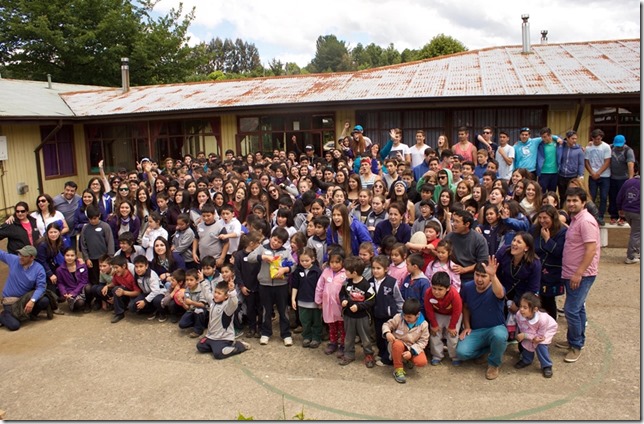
[37,153]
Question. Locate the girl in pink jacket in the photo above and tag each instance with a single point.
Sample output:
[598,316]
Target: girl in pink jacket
[536,330]
[443,263]
[327,296]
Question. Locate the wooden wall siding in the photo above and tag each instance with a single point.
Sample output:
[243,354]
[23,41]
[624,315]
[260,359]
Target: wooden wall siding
[562,120]
[228,132]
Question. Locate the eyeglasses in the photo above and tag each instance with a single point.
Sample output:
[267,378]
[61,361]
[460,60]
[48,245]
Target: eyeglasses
[116,182]
[42,201]
[21,211]
[124,189]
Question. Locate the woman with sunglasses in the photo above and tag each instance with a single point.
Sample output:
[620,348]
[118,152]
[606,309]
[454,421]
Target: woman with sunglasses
[122,195]
[46,214]
[22,231]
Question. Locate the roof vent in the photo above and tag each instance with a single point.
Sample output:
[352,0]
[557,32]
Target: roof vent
[125,74]
[544,36]
[49,81]
[525,33]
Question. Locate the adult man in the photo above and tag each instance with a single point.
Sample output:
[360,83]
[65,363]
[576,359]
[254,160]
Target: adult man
[505,157]
[597,161]
[66,203]
[391,176]
[468,246]
[24,291]
[525,151]
[570,160]
[417,151]
[628,204]
[484,327]
[622,165]
[484,141]
[547,160]
[578,269]
[464,148]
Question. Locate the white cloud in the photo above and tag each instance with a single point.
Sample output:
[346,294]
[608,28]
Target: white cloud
[288,29]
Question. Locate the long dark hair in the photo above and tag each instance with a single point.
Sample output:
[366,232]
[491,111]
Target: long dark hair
[552,212]
[168,253]
[53,247]
[529,256]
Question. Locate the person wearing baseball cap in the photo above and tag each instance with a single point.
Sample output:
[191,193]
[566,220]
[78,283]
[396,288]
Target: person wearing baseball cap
[23,295]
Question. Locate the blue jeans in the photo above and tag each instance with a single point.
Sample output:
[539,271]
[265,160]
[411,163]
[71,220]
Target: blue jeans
[575,311]
[543,354]
[548,182]
[602,184]
[483,340]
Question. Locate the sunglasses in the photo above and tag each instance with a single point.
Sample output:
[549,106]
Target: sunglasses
[21,211]
[124,189]
[42,201]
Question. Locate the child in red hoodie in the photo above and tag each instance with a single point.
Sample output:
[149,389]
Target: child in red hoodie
[443,307]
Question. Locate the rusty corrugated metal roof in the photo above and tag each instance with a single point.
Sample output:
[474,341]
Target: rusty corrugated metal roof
[599,67]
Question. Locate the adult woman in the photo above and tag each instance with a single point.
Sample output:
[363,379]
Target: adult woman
[341,180]
[182,201]
[393,225]
[229,190]
[160,185]
[444,209]
[80,218]
[463,192]
[240,204]
[274,194]
[294,174]
[549,237]
[73,282]
[46,214]
[142,209]
[552,198]
[379,188]
[354,185]
[50,254]
[398,193]
[124,220]
[21,231]
[255,190]
[442,144]
[346,232]
[164,262]
[122,195]
[519,269]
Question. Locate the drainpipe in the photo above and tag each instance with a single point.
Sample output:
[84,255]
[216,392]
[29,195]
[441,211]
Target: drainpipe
[580,112]
[37,153]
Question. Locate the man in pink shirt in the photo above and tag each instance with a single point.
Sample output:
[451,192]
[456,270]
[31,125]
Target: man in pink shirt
[579,269]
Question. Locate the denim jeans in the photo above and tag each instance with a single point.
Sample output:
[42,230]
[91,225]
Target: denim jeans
[634,220]
[543,354]
[615,186]
[602,184]
[483,340]
[575,311]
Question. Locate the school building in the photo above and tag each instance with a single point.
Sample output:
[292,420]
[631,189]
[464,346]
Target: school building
[51,132]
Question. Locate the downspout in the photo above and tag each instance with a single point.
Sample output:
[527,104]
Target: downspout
[37,153]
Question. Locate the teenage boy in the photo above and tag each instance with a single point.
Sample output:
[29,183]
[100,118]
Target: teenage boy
[357,298]
[505,157]
[417,151]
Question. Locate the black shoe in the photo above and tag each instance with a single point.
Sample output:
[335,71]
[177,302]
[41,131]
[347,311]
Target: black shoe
[50,313]
[117,318]
[33,317]
[174,319]
[519,365]
[547,372]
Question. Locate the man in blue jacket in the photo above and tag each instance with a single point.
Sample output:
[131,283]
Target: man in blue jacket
[571,161]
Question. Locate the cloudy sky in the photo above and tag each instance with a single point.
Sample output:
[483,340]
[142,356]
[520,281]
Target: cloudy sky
[287,29]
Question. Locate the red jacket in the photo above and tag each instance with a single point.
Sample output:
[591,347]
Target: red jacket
[451,305]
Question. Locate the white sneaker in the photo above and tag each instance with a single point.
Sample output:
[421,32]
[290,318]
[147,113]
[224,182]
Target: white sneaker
[263,340]
[288,341]
[631,261]
[245,344]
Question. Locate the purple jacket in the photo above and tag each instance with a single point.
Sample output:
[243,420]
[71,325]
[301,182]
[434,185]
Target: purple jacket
[67,284]
[628,198]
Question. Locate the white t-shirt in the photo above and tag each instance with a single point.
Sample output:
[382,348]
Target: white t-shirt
[505,170]
[399,151]
[596,155]
[417,154]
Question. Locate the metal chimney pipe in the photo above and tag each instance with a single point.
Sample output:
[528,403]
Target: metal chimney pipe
[125,74]
[544,36]
[525,33]
[49,81]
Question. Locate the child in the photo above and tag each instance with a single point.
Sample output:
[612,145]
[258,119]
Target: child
[444,307]
[127,248]
[273,286]
[388,303]
[305,278]
[96,240]
[153,231]
[357,297]
[182,240]
[207,239]
[318,240]
[536,332]
[104,278]
[398,267]
[407,334]
[122,288]
[151,291]
[220,337]
[249,285]
[416,283]
[378,213]
[327,296]
[232,227]
[173,300]
[284,219]
[366,253]
[228,274]
[481,162]
[194,304]
[72,281]
[444,263]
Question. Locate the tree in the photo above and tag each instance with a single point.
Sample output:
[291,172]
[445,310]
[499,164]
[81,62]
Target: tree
[441,45]
[331,55]
[82,41]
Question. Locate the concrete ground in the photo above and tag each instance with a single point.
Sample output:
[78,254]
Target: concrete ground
[82,367]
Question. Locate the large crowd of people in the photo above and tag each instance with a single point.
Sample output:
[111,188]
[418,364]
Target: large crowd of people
[414,251]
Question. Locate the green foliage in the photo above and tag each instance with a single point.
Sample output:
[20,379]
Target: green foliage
[82,41]
[332,55]
[441,45]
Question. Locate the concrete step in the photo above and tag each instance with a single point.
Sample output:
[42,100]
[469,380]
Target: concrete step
[614,235]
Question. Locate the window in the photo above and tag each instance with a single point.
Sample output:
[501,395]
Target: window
[623,119]
[118,145]
[58,152]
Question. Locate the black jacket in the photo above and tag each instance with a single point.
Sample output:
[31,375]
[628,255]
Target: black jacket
[17,236]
